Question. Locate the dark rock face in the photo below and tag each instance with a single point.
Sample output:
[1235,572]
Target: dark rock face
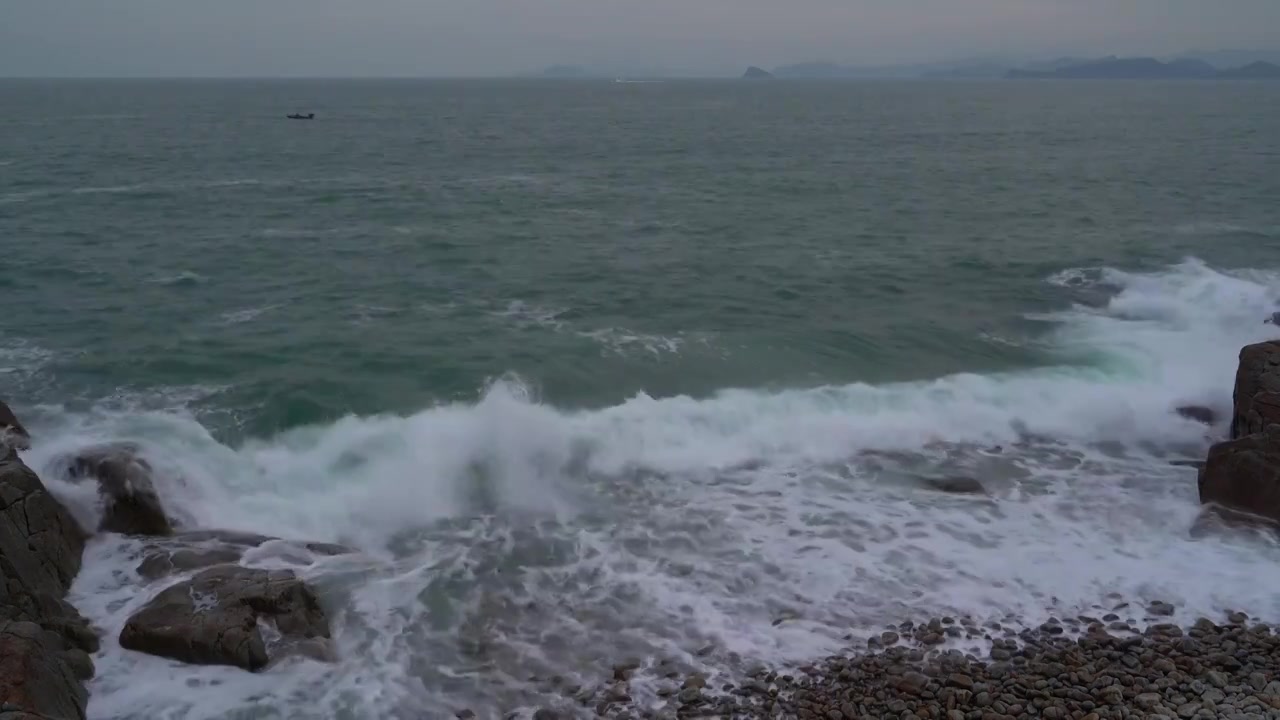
[38,677]
[11,431]
[1263,411]
[43,640]
[1259,372]
[213,618]
[1244,474]
[755,73]
[131,505]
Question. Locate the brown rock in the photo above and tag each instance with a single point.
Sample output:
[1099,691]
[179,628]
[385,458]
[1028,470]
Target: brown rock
[1244,474]
[213,619]
[12,433]
[35,676]
[1258,372]
[130,503]
[42,638]
[40,547]
[1263,411]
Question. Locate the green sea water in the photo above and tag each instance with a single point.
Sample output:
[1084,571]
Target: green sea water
[599,239]
[592,369]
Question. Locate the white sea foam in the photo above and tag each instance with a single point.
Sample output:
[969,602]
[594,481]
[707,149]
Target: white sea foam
[183,278]
[612,340]
[515,538]
[238,317]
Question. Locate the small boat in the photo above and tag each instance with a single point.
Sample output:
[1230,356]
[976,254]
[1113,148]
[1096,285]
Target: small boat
[300,116]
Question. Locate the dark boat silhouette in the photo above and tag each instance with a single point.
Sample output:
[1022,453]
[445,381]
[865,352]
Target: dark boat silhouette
[300,116]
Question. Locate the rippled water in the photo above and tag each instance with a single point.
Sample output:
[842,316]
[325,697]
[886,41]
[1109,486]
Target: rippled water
[593,371]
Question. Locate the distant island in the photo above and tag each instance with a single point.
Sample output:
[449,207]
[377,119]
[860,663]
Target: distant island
[1206,64]
[1146,68]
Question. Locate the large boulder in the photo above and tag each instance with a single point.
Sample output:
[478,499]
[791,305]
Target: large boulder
[12,434]
[130,505]
[1244,474]
[215,618]
[1257,381]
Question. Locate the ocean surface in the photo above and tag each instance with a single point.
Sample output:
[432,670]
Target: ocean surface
[592,371]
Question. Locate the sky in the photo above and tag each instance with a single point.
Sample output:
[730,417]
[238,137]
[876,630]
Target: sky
[459,38]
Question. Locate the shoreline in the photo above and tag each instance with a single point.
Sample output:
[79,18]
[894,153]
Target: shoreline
[1061,669]
[1089,667]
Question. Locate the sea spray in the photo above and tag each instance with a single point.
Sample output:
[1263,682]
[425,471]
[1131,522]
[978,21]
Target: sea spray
[512,538]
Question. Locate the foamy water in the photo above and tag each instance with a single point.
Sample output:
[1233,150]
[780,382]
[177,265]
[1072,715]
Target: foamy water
[509,539]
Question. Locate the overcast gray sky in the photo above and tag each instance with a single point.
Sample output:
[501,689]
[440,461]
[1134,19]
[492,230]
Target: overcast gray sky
[500,37]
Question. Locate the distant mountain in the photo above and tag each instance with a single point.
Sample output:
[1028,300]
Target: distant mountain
[1143,68]
[1253,71]
[972,71]
[814,70]
[1227,59]
[963,68]
[755,73]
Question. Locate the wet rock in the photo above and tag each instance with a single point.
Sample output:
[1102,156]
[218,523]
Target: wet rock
[956,485]
[40,547]
[162,563]
[215,618]
[1244,475]
[37,679]
[12,434]
[1258,372]
[130,503]
[40,543]
[1198,413]
[187,551]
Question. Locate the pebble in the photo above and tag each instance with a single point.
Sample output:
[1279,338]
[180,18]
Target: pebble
[1040,672]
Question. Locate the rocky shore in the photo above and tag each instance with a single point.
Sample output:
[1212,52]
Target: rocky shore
[206,608]
[1119,662]
[45,644]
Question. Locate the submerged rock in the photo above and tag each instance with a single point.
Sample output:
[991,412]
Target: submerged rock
[1198,413]
[160,563]
[12,434]
[130,503]
[216,618]
[198,549]
[957,484]
[1244,474]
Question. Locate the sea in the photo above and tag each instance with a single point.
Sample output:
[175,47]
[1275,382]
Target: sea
[593,373]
